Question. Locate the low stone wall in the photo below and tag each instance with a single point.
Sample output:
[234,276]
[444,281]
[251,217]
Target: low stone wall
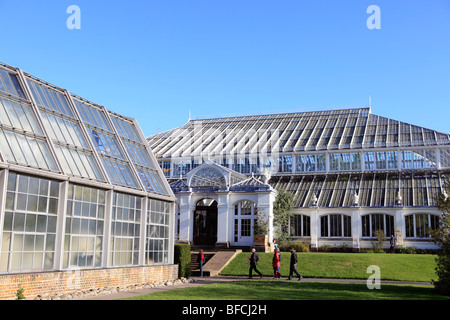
[65,282]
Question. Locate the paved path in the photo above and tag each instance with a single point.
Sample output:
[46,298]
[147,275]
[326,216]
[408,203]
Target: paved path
[220,279]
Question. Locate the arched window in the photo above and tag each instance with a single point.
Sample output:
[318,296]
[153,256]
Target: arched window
[300,226]
[206,202]
[245,208]
[208,177]
[373,222]
[335,226]
[418,225]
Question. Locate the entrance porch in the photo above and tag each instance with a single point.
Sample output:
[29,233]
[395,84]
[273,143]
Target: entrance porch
[218,206]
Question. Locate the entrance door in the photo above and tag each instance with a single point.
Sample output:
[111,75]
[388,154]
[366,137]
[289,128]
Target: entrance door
[205,222]
[244,220]
[243,231]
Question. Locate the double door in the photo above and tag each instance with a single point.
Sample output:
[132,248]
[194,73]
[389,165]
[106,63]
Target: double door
[205,226]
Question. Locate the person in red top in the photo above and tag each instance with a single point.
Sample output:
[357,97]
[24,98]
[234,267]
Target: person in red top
[201,260]
[276,264]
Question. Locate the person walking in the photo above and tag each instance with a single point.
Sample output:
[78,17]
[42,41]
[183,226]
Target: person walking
[201,260]
[293,265]
[392,244]
[276,264]
[253,262]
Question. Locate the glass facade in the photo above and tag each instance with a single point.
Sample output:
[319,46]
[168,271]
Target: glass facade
[22,138]
[157,232]
[303,134]
[335,226]
[29,224]
[107,146]
[419,225]
[311,163]
[373,222]
[85,219]
[138,154]
[305,163]
[125,230]
[79,183]
[9,83]
[364,168]
[300,226]
[48,128]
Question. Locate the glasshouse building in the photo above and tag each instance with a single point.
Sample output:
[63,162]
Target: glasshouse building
[80,190]
[351,173]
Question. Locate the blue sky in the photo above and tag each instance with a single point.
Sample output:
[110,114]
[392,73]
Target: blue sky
[156,60]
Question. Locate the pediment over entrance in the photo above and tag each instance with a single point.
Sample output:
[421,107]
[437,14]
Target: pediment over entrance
[208,177]
[210,174]
[211,177]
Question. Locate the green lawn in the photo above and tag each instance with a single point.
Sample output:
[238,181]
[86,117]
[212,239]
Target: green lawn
[295,290]
[403,267]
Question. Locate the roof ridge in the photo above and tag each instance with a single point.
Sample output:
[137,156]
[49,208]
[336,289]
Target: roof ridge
[319,112]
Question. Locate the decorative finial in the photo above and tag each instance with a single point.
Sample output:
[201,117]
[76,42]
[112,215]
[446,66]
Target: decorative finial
[398,199]
[314,200]
[356,199]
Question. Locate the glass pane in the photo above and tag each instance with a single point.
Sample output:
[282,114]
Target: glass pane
[6,148]
[23,142]
[15,149]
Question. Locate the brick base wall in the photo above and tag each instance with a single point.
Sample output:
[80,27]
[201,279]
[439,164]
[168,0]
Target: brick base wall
[63,282]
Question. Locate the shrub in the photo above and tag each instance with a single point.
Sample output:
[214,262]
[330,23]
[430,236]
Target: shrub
[442,239]
[261,225]
[378,242]
[19,293]
[408,250]
[297,245]
[344,247]
[182,257]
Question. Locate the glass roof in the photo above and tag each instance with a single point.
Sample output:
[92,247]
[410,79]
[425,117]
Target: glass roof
[137,151]
[45,127]
[350,129]
[382,189]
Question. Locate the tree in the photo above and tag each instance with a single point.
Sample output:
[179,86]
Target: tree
[442,239]
[282,213]
[378,242]
[261,226]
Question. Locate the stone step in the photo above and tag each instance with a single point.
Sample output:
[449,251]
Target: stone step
[218,261]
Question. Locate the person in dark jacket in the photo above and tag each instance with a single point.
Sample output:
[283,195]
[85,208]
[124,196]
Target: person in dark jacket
[392,244]
[293,265]
[253,262]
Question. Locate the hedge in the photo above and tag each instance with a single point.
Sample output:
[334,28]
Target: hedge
[182,257]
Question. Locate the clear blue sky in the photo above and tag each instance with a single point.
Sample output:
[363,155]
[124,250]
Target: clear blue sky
[155,60]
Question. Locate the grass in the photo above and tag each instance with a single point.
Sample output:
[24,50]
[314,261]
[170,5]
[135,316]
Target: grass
[401,267]
[294,290]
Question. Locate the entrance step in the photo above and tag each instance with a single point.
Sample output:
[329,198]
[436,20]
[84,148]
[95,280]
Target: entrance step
[216,262]
[195,266]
